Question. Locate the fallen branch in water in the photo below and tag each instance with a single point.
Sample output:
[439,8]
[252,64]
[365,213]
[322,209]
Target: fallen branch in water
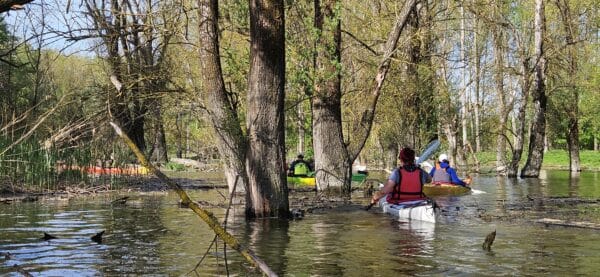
[564,223]
[206,216]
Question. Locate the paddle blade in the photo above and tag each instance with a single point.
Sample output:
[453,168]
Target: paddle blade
[429,150]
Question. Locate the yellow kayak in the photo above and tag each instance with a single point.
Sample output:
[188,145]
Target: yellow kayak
[310,180]
[444,189]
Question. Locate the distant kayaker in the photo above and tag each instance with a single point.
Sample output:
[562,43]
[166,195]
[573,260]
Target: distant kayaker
[442,173]
[406,182]
[299,167]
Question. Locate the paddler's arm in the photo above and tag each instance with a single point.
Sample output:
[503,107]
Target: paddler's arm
[387,188]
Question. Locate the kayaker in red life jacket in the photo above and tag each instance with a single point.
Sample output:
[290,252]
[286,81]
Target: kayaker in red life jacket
[406,182]
[442,173]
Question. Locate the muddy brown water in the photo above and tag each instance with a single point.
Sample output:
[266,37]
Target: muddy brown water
[151,235]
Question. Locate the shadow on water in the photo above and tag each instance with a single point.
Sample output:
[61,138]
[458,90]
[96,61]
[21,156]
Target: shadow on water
[150,234]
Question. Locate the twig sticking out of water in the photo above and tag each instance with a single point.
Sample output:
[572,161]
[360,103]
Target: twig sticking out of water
[97,237]
[21,270]
[489,240]
[48,236]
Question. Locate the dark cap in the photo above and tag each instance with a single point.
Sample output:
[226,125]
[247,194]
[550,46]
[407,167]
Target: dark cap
[407,155]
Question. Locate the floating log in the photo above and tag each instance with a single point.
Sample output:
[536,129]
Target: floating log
[121,200]
[564,223]
[205,215]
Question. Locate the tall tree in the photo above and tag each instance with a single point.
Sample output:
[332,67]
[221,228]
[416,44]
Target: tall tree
[535,156]
[525,84]
[265,119]
[498,37]
[332,160]
[572,109]
[333,156]
[232,143]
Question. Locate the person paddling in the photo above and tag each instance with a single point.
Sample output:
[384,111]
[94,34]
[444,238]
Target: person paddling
[442,173]
[299,167]
[406,182]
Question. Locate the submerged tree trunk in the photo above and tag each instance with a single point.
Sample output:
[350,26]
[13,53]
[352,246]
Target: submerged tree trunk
[517,152]
[265,111]
[332,162]
[231,141]
[573,107]
[538,130]
[335,168]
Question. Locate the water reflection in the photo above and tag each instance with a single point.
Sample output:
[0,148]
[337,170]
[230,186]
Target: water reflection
[151,235]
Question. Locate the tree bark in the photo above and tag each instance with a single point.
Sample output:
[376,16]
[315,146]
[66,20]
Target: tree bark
[332,161]
[301,133]
[231,142]
[160,140]
[517,152]
[265,111]
[535,157]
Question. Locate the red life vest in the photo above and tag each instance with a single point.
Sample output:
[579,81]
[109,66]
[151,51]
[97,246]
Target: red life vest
[410,186]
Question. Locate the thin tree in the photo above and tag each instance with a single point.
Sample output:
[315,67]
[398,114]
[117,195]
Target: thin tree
[333,156]
[572,109]
[223,114]
[538,129]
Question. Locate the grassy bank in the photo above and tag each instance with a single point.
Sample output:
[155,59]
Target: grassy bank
[553,159]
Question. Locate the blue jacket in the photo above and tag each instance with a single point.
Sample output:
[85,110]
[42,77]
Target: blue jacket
[453,177]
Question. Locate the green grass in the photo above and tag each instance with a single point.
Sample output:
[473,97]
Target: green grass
[590,160]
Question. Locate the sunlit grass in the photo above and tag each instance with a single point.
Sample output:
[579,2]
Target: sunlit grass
[590,160]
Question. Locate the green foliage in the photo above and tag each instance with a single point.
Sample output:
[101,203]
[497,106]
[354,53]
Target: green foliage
[590,160]
[175,166]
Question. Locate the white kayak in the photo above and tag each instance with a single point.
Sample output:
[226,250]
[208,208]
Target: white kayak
[410,210]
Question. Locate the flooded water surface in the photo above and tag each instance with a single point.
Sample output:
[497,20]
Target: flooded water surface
[152,235]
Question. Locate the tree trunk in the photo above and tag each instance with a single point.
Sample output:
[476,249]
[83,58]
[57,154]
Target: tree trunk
[536,141]
[231,142]
[160,140]
[301,133]
[332,163]
[502,109]
[477,86]
[179,135]
[464,102]
[391,155]
[573,108]
[265,111]
[517,152]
